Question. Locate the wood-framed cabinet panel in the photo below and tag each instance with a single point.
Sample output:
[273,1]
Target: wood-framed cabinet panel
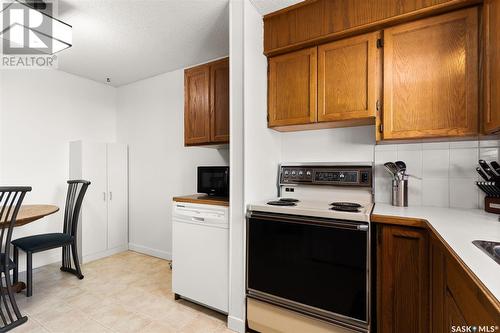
[206,104]
[402,279]
[197,105]
[431,77]
[458,299]
[349,78]
[292,88]
[219,101]
[491,18]
[319,21]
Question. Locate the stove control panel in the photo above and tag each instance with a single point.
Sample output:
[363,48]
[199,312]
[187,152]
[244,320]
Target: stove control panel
[327,175]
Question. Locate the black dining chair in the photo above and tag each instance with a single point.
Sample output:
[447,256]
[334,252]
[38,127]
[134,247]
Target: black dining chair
[67,239]
[11,199]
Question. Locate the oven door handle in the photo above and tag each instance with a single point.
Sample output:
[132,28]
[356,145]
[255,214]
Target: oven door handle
[332,223]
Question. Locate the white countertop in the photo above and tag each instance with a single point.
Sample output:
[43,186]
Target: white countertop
[459,227]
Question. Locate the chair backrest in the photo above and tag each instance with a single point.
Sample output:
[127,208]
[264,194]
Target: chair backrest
[74,199]
[11,198]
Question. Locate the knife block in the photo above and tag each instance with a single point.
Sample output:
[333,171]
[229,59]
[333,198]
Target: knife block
[492,205]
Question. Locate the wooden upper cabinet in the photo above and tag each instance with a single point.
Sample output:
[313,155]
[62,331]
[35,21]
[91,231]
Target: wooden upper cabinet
[349,78]
[491,119]
[294,26]
[206,103]
[319,21]
[403,280]
[219,100]
[292,88]
[431,77]
[196,105]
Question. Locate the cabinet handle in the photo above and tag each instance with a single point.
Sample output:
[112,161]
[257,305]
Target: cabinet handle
[110,195]
[104,196]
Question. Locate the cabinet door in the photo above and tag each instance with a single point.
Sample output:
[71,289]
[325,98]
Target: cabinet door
[491,122]
[438,287]
[403,280]
[452,312]
[348,78]
[457,299]
[196,105]
[94,208]
[470,303]
[431,77]
[292,88]
[118,195]
[219,101]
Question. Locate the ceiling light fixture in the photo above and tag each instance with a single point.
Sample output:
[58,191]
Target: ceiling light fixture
[27,26]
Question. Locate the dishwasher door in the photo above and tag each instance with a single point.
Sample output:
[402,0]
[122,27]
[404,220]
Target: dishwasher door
[200,254]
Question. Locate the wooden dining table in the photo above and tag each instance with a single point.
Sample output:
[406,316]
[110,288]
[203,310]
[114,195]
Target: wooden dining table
[31,213]
[26,215]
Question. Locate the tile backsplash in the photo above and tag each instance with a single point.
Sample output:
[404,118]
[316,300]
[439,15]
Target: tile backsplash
[444,172]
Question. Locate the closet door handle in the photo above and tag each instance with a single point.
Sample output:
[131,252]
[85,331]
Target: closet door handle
[110,195]
[104,196]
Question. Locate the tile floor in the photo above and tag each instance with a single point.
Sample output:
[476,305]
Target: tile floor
[127,292]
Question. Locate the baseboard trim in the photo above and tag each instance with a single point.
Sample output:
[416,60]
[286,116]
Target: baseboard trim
[236,324]
[103,254]
[150,251]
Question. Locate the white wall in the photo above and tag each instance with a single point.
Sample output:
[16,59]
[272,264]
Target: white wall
[151,121]
[236,315]
[41,111]
[255,149]
[351,144]
[263,146]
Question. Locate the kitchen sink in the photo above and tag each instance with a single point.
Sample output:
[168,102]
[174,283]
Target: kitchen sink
[492,249]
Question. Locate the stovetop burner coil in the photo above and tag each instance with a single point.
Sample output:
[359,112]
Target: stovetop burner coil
[281,203]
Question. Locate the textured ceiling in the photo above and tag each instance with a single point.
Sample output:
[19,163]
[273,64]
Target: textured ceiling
[268,6]
[129,40]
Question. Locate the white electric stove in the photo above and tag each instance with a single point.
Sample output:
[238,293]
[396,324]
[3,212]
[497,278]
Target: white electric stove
[308,249]
[334,190]
[318,208]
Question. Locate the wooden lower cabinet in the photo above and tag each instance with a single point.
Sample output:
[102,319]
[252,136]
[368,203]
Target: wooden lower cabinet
[403,280]
[422,287]
[457,299]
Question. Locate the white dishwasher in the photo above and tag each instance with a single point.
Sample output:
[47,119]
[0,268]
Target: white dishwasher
[200,254]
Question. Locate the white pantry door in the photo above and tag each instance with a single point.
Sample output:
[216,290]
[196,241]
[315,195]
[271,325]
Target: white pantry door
[118,195]
[94,210]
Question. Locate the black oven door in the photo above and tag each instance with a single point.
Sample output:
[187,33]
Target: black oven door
[316,266]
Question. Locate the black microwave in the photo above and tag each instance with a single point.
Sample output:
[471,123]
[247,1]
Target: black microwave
[213,180]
